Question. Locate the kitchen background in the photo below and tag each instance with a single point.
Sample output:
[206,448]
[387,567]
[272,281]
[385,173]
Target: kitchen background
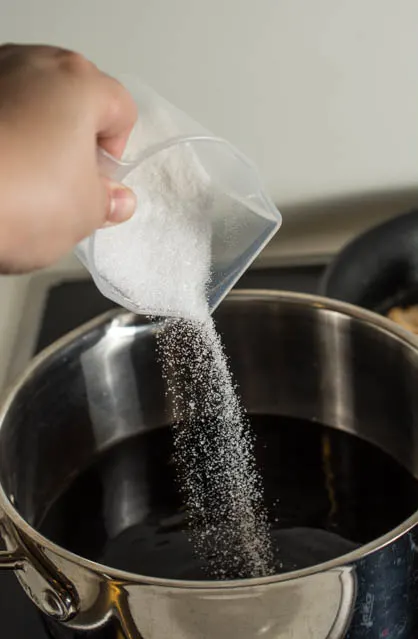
[321,95]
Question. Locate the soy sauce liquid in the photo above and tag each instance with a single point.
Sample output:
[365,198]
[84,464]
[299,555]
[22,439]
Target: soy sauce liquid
[327,492]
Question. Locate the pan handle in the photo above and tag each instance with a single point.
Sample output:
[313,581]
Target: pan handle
[48,589]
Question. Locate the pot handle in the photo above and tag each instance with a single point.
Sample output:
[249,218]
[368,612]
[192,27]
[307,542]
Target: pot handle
[48,589]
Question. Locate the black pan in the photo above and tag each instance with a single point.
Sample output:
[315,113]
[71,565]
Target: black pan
[379,269]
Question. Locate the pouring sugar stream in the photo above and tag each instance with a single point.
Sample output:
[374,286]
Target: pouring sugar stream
[201,219]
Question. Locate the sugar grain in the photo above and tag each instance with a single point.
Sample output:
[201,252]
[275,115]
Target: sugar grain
[160,263]
[214,454]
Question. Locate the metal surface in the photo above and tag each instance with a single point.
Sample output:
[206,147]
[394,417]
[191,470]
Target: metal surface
[378,269]
[57,303]
[292,355]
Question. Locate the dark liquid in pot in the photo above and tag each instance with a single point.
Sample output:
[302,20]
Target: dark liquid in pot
[327,492]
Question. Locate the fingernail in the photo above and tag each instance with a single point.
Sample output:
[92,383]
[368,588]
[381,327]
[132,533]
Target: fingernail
[122,204]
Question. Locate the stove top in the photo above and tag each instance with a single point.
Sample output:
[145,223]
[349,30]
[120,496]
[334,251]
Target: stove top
[67,305]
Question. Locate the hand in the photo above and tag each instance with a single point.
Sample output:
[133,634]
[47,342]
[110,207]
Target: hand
[55,109]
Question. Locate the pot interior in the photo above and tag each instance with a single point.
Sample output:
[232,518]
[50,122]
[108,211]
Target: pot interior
[86,444]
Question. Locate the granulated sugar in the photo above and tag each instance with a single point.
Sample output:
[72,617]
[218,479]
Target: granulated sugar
[214,454]
[160,262]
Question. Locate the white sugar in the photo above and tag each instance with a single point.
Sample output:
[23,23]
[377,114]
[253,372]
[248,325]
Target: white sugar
[160,259]
[214,454]
[160,262]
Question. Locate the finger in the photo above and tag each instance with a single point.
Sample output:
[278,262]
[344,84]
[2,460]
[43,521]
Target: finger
[121,203]
[117,117]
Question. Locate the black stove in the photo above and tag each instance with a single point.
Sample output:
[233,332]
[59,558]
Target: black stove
[68,305]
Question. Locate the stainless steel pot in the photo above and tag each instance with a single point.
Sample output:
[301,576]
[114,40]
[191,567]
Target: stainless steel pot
[292,355]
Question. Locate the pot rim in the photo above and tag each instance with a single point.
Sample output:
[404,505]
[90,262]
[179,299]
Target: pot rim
[120,318]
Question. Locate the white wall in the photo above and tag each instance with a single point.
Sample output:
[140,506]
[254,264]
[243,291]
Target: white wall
[322,94]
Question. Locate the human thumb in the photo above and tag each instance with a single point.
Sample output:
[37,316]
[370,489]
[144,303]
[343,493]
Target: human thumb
[122,203]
